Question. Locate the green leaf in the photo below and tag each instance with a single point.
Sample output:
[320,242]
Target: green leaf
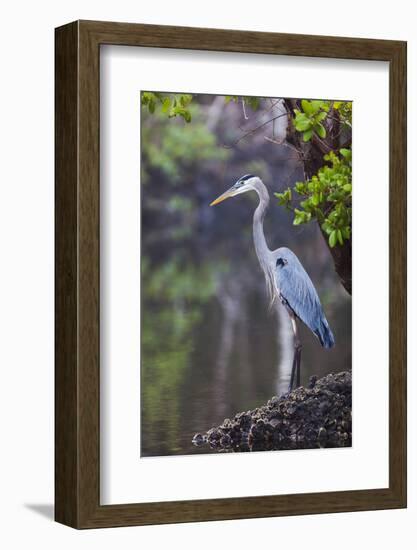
[346,232]
[317,104]
[327,228]
[300,187]
[321,130]
[339,236]
[302,122]
[185,99]
[307,135]
[298,217]
[315,199]
[307,107]
[333,238]
[284,198]
[346,153]
[166,104]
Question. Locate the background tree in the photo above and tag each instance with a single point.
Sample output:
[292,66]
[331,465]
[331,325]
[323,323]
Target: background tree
[320,134]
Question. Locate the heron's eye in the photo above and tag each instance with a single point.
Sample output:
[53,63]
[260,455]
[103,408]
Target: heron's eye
[281,262]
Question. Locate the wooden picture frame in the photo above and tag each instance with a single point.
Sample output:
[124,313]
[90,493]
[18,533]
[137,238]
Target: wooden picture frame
[77,405]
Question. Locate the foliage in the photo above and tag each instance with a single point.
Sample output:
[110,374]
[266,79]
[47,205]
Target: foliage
[310,119]
[252,101]
[344,108]
[173,282]
[326,197]
[171,105]
[174,148]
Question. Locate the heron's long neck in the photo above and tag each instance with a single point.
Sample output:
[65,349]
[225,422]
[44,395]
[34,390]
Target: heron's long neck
[262,250]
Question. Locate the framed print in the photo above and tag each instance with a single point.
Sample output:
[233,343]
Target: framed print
[230,274]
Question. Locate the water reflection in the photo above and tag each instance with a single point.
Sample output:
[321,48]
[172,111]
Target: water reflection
[210,344]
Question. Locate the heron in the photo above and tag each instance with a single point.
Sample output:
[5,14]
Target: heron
[286,279]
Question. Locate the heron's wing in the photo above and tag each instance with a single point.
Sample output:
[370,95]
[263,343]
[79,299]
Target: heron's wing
[298,293]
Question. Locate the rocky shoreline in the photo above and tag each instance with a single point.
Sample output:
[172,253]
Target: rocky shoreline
[319,415]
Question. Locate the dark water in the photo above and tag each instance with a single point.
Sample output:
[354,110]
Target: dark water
[211,346]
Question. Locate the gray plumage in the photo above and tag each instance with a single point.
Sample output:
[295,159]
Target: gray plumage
[286,279]
[297,293]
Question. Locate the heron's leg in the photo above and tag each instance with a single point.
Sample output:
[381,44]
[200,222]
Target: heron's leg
[299,366]
[293,370]
[296,366]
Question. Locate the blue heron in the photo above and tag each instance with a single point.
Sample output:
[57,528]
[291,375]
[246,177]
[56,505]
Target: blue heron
[286,278]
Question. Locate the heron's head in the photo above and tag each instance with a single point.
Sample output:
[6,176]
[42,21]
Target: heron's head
[243,184]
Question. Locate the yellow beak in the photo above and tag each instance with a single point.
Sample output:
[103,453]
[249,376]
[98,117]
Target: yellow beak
[223,197]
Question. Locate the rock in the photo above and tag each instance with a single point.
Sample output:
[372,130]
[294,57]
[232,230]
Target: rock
[199,439]
[319,415]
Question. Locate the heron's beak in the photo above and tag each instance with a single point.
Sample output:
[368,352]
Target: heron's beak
[226,195]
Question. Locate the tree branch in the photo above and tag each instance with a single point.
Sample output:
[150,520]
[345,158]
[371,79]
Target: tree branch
[253,131]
